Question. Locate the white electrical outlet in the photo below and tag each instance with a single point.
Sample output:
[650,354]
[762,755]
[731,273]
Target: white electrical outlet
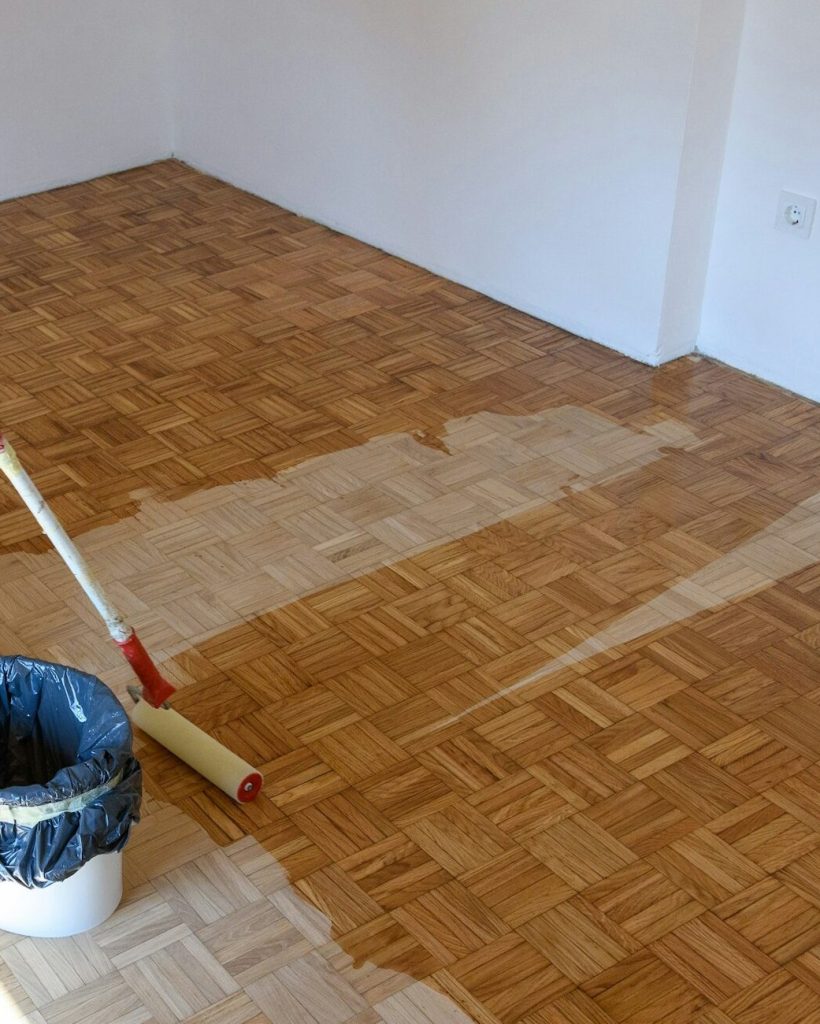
[795,214]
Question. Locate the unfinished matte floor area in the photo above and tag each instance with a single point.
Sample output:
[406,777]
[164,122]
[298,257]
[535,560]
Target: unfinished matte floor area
[523,635]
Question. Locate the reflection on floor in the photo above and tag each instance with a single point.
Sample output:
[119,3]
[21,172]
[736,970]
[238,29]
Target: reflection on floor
[524,635]
[204,563]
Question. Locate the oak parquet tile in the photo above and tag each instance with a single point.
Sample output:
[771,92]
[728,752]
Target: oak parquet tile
[755,758]
[236,1009]
[639,746]
[776,919]
[358,750]
[451,922]
[579,939]
[699,788]
[579,851]
[641,820]
[642,901]
[778,998]
[789,660]
[765,834]
[689,655]
[420,723]
[253,942]
[582,775]
[583,707]
[523,635]
[713,958]
[427,662]
[406,792]
[458,837]
[709,869]
[182,980]
[308,990]
[693,718]
[469,700]
[800,796]
[108,1001]
[574,1008]
[209,887]
[517,886]
[47,970]
[526,734]
[300,778]
[797,725]
[394,871]
[338,897]
[743,632]
[468,764]
[319,713]
[747,692]
[510,978]
[343,824]
[805,969]
[802,876]
[292,850]
[642,988]
[385,942]
[521,806]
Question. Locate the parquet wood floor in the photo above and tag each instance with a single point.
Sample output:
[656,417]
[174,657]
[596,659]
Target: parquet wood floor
[523,635]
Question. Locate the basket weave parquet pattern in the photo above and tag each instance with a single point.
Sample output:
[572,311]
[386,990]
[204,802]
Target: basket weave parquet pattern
[523,635]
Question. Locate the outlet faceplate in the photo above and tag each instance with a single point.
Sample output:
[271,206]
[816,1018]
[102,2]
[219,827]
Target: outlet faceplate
[795,214]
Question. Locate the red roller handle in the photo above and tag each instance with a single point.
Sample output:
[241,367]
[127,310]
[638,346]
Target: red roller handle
[155,687]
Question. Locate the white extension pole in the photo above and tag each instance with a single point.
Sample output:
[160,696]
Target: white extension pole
[52,528]
[240,780]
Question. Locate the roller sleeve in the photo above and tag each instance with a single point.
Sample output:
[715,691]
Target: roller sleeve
[235,777]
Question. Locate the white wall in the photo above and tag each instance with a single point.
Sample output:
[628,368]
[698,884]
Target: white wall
[762,308]
[529,148]
[701,166]
[85,88]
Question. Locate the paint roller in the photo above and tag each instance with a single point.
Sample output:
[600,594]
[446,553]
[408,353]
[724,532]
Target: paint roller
[151,712]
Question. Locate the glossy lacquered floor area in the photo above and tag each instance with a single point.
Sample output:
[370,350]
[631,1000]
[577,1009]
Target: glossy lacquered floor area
[523,635]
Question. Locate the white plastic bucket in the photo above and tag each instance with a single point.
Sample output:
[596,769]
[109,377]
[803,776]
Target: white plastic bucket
[66,908]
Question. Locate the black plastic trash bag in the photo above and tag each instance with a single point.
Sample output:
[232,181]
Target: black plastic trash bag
[70,786]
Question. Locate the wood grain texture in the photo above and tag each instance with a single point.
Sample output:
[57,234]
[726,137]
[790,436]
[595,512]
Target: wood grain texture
[524,636]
